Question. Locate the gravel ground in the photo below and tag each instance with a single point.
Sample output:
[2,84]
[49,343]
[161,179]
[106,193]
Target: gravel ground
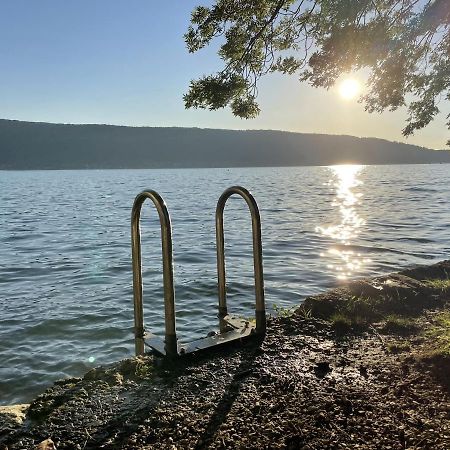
[303,387]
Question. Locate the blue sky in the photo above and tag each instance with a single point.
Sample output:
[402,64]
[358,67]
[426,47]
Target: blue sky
[125,62]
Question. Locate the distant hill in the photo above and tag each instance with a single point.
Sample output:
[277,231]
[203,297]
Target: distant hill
[30,145]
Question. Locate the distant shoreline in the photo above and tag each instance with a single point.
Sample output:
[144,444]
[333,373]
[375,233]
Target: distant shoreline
[45,146]
[222,167]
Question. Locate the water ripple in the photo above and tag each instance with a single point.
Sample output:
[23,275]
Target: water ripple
[66,297]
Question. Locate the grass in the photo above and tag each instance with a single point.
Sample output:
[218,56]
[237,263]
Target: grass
[340,320]
[343,322]
[435,355]
[355,313]
[355,308]
[438,284]
[394,308]
[398,347]
[435,348]
[439,336]
[399,324]
[281,311]
[362,308]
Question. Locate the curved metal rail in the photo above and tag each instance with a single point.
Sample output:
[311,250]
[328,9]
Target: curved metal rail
[170,343]
[260,309]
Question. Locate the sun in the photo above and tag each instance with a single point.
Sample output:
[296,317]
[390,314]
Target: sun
[349,88]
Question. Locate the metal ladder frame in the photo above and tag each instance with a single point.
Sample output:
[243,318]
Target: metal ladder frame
[170,342]
[260,309]
[231,328]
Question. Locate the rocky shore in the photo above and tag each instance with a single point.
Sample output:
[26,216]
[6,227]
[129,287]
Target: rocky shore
[363,366]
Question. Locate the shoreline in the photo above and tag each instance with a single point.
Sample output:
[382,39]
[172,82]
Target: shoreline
[222,167]
[366,365]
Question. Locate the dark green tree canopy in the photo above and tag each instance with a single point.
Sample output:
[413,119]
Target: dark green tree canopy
[404,45]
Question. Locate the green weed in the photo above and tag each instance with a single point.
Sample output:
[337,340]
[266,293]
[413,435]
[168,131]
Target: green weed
[343,322]
[399,325]
[398,347]
[304,312]
[438,284]
[439,335]
[143,369]
[282,311]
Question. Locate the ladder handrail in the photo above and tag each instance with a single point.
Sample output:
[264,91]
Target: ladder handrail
[169,291]
[260,309]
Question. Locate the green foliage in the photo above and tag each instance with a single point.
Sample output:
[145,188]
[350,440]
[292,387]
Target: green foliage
[399,325]
[398,347]
[343,321]
[362,307]
[304,312]
[439,335]
[438,284]
[282,311]
[144,368]
[403,44]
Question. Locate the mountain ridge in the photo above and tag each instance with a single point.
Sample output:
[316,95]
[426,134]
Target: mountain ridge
[43,145]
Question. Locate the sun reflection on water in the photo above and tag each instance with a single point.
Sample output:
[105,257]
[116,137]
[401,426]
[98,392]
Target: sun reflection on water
[344,181]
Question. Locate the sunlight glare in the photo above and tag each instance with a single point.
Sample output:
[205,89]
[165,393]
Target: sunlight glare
[349,88]
[345,183]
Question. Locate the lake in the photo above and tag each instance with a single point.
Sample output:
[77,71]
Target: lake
[65,271]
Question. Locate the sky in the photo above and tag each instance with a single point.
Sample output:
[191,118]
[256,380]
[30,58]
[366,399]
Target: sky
[125,63]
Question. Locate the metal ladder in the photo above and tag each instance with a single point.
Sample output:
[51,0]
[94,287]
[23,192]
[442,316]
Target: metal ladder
[231,328]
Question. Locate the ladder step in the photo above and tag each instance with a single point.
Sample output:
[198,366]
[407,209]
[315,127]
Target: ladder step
[238,328]
[217,339]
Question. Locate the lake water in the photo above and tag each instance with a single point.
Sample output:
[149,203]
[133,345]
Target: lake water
[65,267]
